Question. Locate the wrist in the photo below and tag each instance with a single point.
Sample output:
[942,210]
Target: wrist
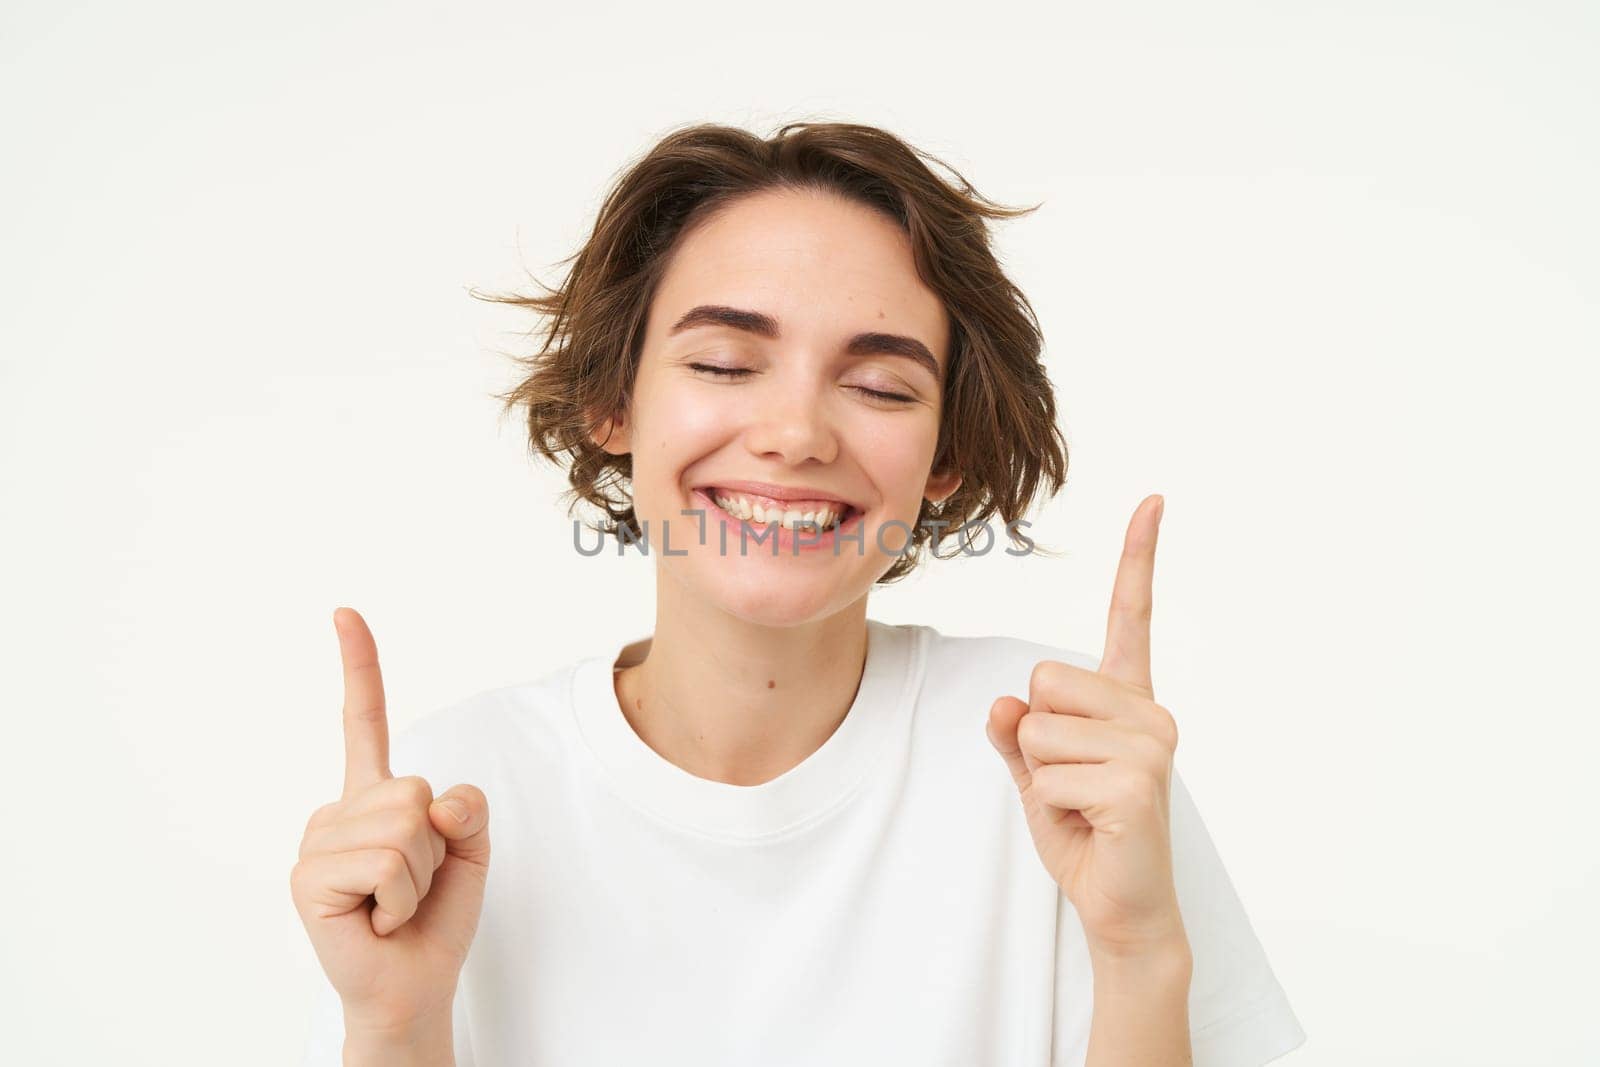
[1168,955]
[428,1041]
[1141,1005]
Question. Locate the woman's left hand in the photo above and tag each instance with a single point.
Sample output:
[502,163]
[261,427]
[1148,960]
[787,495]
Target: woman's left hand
[1091,753]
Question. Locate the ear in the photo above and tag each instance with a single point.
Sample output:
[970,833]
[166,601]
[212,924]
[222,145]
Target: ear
[612,435]
[941,484]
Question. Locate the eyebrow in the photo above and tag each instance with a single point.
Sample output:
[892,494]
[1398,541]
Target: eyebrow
[862,344]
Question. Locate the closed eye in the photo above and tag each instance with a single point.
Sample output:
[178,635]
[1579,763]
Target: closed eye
[731,372]
[743,371]
[901,397]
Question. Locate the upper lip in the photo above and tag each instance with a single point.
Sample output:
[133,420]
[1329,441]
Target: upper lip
[782,492]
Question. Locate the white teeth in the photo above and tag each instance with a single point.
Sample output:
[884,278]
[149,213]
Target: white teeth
[740,508]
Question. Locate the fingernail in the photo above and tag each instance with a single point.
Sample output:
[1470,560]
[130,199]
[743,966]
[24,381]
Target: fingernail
[456,808]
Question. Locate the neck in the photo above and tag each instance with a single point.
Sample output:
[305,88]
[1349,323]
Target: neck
[733,701]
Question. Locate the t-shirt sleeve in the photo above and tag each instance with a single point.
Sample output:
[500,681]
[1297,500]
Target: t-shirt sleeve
[1239,1015]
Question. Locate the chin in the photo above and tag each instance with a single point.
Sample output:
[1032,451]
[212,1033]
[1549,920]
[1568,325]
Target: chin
[763,598]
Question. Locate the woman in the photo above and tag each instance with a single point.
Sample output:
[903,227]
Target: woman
[769,832]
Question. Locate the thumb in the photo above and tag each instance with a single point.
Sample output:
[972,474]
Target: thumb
[461,815]
[1004,715]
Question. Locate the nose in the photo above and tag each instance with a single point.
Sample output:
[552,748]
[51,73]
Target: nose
[792,424]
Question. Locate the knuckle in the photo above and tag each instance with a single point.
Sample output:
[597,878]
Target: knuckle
[392,866]
[1166,728]
[1043,729]
[415,789]
[1042,673]
[322,816]
[423,880]
[1048,679]
[1028,731]
[299,881]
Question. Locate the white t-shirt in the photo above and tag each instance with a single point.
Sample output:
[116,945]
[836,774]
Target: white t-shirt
[880,903]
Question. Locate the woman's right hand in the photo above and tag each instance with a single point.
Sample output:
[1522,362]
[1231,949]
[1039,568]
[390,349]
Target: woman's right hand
[390,879]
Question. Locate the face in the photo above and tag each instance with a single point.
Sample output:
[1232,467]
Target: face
[812,385]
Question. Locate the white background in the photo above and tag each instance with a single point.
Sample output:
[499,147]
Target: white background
[1325,276]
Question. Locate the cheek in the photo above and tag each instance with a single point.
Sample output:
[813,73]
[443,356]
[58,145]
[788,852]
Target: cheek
[897,454]
[674,428]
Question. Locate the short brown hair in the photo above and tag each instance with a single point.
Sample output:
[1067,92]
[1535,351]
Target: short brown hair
[997,419]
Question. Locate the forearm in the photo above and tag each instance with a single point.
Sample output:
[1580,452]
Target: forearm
[429,1043]
[1141,1009]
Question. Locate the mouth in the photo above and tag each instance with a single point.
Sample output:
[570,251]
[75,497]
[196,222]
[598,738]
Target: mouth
[818,512]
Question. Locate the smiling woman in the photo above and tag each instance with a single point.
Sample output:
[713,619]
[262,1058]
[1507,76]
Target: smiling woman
[769,831]
[703,199]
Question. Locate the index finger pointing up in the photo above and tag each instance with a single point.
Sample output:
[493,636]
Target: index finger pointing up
[366,718]
[1127,653]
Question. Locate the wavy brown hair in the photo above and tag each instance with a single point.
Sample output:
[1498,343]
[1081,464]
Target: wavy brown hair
[998,417]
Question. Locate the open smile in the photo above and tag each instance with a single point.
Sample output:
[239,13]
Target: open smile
[813,512]
[791,530]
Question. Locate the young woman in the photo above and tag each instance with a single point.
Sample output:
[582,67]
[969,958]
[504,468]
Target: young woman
[775,830]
